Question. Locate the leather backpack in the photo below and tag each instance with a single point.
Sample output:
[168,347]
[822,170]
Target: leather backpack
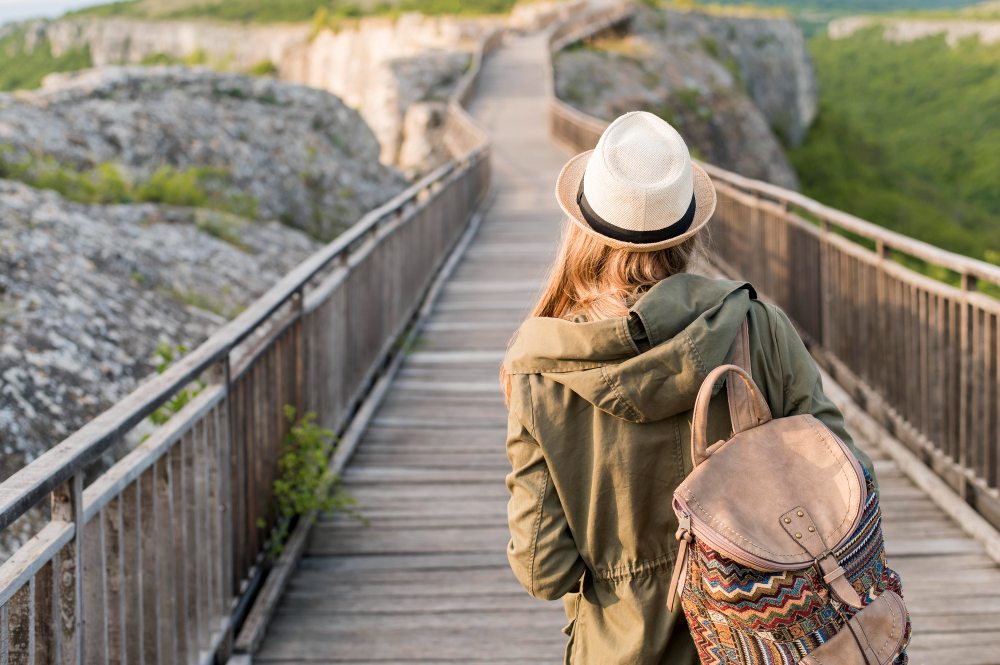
[781,557]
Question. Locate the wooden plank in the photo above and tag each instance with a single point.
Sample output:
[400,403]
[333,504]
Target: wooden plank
[4,634]
[325,540]
[20,626]
[114,583]
[132,566]
[95,591]
[67,506]
[45,616]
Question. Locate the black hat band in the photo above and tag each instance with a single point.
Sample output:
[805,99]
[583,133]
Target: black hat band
[600,225]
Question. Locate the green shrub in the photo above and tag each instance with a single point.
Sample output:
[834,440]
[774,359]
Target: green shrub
[176,187]
[305,485]
[711,46]
[199,187]
[21,70]
[264,68]
[222,226]
[160,59]
[164,356]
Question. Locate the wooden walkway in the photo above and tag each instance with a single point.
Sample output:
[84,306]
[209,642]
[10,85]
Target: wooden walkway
[428,581]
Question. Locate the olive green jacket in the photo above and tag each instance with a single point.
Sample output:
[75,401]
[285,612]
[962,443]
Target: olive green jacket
[599,438]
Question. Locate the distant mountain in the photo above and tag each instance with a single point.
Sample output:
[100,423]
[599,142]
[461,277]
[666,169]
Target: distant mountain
[842,7]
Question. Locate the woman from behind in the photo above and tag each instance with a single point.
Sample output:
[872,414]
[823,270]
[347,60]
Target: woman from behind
[601,381]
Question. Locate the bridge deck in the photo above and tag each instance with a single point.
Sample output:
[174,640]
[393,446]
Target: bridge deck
[428,581]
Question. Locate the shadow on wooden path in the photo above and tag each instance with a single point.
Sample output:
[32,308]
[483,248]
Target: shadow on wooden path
[428,581]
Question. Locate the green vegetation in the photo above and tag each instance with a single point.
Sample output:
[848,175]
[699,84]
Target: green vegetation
[21,69]
[264,68]
[197,57]
[908,137]
[305,485]
[841,7]
[165,355]
[291,11]
[200,187]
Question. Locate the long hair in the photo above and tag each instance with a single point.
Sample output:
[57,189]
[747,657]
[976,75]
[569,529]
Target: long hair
[595,281]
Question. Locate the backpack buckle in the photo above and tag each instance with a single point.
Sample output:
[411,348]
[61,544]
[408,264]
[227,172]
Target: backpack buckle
[824,554]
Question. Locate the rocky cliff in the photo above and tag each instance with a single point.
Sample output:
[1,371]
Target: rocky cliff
[281,151]
[89,291]
[735,87]
[395,72]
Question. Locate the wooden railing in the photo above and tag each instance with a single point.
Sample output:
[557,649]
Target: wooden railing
[921,355]
[569,127]
[155,561]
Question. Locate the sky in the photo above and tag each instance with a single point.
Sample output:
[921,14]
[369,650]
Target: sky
[15,10]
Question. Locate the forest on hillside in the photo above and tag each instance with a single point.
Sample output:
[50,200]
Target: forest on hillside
[908,137]
[852,6]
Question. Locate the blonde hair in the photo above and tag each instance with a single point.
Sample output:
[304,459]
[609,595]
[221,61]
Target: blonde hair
[595,281]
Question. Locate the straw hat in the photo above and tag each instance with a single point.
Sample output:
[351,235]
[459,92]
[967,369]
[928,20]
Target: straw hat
[638,189]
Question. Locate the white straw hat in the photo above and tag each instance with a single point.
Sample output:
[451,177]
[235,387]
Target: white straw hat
[638,189]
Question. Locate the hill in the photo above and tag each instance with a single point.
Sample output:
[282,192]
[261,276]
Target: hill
[913,147]
[843,7]
[288,11]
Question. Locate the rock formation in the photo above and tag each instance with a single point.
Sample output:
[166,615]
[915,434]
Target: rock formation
[88,292]
[731,85]
[379,66]
[298,154]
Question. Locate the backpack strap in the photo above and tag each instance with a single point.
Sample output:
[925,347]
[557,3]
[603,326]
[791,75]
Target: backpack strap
[741,403]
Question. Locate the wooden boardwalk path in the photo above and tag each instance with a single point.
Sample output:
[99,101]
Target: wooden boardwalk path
[428,581]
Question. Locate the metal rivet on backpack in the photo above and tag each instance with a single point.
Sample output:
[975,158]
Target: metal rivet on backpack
[800,513]
[812,528]
[788,520]
[798,535]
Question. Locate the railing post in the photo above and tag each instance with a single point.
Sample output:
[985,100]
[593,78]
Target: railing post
[220,375]
[883,250]
[67,506]
[298,303]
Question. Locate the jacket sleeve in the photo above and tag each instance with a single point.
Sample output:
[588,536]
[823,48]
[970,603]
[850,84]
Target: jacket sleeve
[541,551]
[803,384]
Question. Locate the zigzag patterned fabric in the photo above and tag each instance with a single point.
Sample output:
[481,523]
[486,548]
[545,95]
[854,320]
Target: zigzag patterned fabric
[742,616]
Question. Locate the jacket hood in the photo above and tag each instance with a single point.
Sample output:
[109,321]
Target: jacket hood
[648,365]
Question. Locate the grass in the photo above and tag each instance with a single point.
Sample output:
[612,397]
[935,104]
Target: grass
[25,70]
[915,148]
[200,187]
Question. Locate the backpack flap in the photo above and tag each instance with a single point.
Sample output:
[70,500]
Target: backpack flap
[873,636]
[742,491]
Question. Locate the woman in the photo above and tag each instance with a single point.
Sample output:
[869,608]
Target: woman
[600,383]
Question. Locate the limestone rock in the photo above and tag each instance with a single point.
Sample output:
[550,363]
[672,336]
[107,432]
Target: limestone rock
[728,98]
[301,154]
[87,292]
[377,65]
